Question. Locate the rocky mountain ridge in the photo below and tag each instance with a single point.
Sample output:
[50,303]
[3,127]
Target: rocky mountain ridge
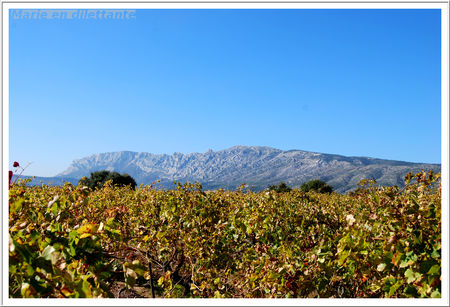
[256,166]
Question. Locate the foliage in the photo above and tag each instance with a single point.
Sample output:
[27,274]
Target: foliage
[317,185]
[98,179]
[280,188]
[70,241]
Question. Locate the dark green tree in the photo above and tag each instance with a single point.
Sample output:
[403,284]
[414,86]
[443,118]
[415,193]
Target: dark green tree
[280,188]
[317,185]
[98,179]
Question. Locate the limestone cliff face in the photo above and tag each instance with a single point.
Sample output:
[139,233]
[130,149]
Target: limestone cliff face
[254,165]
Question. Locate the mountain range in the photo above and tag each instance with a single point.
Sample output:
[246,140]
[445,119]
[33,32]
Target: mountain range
[255,166]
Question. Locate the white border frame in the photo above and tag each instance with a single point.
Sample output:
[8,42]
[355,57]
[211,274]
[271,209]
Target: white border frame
[442,5]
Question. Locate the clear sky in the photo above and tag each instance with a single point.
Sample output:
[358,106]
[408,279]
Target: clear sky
[349,82]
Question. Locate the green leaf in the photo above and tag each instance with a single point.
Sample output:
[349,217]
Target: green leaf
[409,274]
[249,230]
[16,205]
[374,287]
[412,276]
[22,250]
[410,259]
[435,294]
[273,276]
[435,254]
[394,288]
[343,256]
[381,267]
[404,264]
[435,270]
[377,198]
[47,252]
[84,288]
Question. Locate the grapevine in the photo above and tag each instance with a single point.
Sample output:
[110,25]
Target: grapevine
[73,242]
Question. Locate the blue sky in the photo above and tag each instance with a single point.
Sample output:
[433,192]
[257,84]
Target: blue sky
[349,82]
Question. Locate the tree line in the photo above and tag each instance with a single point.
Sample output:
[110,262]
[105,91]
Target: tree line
[98,179]
[316,185]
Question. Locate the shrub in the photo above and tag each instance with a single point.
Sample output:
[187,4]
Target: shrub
[98,179]
[317,185]
[280,188]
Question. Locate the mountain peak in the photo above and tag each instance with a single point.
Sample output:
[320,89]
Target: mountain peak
[257,166]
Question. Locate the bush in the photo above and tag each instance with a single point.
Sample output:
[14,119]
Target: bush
[280,188]
[98,179]
[317,185]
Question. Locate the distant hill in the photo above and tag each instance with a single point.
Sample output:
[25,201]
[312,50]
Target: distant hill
[254,165]
[47,180]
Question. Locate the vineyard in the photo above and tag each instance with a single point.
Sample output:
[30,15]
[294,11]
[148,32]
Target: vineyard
[73,242]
